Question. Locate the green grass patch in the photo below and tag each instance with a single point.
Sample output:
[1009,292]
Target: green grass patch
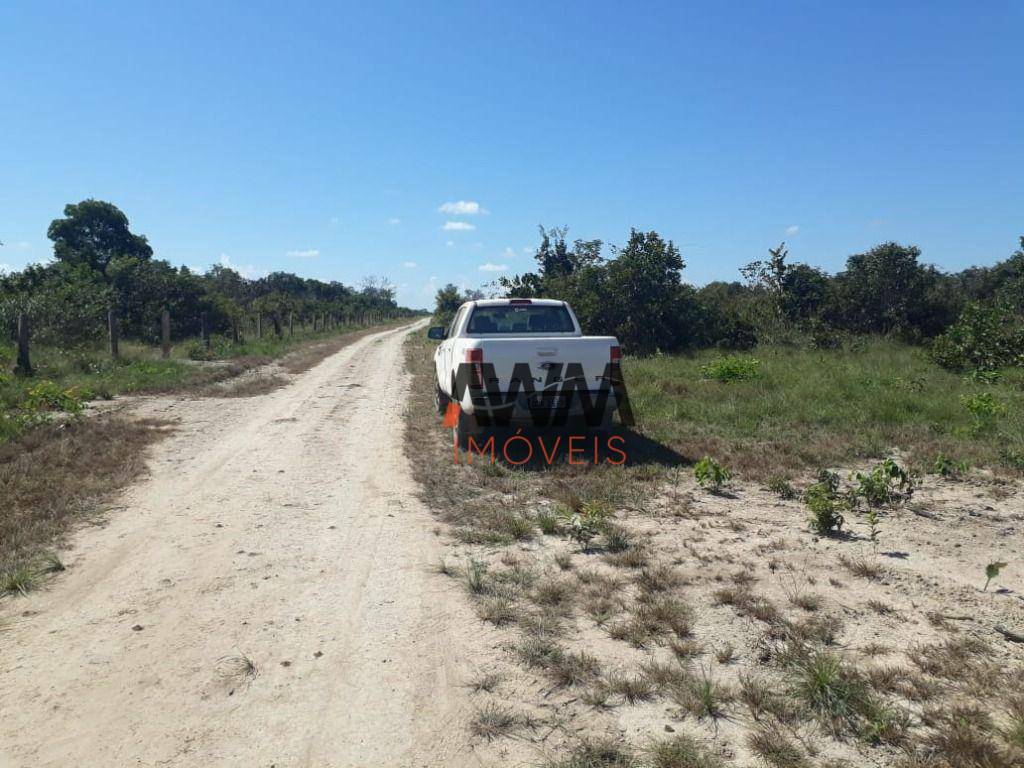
[808,408]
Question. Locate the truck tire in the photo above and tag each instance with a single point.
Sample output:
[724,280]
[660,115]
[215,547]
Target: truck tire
[466,426]
[441,400]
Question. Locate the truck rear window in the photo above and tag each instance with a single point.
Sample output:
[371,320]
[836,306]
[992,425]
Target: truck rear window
[520,319]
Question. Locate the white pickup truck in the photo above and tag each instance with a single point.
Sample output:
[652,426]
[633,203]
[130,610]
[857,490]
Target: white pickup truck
[524,360]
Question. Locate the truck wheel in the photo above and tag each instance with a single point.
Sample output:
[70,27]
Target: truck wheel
[466,426]
[441,400]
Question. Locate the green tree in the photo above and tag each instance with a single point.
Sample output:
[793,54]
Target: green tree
[95,233]
[643,287]
[447,302]
[886,290]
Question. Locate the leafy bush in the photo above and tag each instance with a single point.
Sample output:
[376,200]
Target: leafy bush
[586,523]
[219,348]
[710,474]
[886,484]
[782,488]
[822,498]
[47,396]
[986,337]
[982,405]
[731,368]
[984,408]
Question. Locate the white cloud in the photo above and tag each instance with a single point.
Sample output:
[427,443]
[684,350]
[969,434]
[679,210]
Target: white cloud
[394,221]
[450,243]
[462,208]
[4,268]
[792,230]
[312,253]
[409,264]
[245,270]
[22,245]
[334,221]
[489,267]
[510,253]
[458,226]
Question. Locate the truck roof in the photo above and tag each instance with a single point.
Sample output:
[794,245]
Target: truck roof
[506,302]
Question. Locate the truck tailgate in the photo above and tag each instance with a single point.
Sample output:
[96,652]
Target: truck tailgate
[550,360]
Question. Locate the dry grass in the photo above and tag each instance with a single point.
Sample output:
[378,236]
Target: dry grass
[494,720]
[57,475]
[681,751]
[776,749]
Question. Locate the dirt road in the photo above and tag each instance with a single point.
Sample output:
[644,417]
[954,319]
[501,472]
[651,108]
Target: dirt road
[282,529]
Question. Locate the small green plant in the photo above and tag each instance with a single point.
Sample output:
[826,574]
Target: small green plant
[547,522]
[992,571]
[985,377]
[873,526]
[781,487]
[984,408]
[822,498]
[711,475]
[885,485]
[585,524]
[947,467]
[731,368]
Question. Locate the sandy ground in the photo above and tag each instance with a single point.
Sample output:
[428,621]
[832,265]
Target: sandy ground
[931,555]
[283,529]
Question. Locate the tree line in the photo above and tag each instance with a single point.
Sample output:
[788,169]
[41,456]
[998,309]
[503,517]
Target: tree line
[969,319]
[99,265]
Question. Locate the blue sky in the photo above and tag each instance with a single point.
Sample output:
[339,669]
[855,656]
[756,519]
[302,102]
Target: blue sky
[324,138]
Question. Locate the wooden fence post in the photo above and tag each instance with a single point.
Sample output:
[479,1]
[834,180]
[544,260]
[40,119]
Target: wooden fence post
[234,330]
[114,333]
[165,333]
[259,325]
[24,365]
[204,330]
[291,323]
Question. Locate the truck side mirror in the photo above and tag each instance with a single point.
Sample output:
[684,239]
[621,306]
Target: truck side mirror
[437,333]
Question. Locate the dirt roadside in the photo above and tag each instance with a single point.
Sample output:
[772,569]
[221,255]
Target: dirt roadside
[264,598]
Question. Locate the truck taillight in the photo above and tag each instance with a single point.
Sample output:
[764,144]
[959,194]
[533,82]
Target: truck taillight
[615,354]
[475,358]
[520,301]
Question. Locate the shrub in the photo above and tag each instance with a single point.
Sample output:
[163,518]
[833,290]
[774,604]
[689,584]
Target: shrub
[710,474]
[46,396]
[822,498]
[731,368]
[985,337]
[587,523]
[982,405]
[886,484]
[984,408]
[782,488]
